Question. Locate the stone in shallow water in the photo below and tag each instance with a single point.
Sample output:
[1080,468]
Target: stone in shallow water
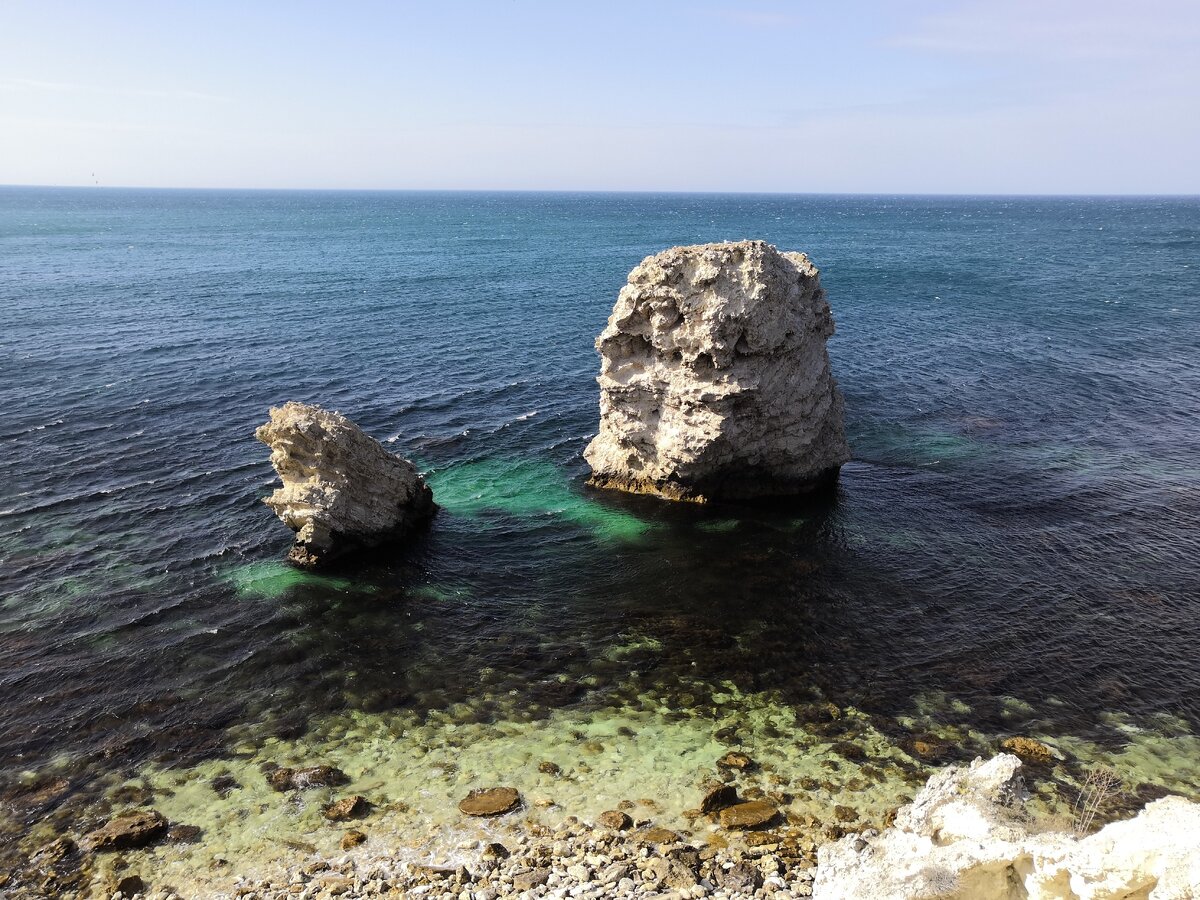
[347,808]
[352,839]
[308,777]
[752,814]
[490,801]
[130,886]
[735,760]
[184,834]
[718,798]
[129,830]
[615,819]
[1028,750]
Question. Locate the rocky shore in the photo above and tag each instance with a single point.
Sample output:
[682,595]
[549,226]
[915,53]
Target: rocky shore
[576,860]
[967,835]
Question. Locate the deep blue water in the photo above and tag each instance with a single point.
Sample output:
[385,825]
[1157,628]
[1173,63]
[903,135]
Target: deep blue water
[1021,520]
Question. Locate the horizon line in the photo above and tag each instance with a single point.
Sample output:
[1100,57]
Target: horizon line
[627,191]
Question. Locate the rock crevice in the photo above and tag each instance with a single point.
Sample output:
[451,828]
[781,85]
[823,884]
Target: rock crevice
[715,382]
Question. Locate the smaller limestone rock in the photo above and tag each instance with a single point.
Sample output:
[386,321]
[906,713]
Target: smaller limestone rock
[615,819]
[490,801]
[550,768]
[342,490]
[752,814]
[129,830]
[347,808]
[353,838]
[845,814]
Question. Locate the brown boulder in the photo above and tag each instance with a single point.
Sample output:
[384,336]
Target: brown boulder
[490,801]
[615,819]
[309,777]
[718,798]
[753,814]
[736,760]
[347,808]
[352,839]
[128,830]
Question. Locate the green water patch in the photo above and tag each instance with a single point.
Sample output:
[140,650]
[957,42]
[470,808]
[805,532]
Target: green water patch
[270,579]
[532,490]
[719,526]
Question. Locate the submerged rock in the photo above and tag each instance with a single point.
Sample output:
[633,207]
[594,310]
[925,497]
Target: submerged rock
[128,830]
[965,837]
[342,491]
[490,801]
[353,838]
[751,814]
[715,382]
[1028,749]
[347,808]
[718,798]
[309,777]
[737,760]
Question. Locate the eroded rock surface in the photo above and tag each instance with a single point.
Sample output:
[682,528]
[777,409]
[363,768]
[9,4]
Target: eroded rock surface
[342,491]
[715,382]
[965,837]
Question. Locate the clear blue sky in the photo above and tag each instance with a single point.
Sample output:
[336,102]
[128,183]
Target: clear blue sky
[999,96]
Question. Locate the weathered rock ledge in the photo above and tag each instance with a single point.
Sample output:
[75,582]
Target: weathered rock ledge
[342,490]
[965,837]
[715,382]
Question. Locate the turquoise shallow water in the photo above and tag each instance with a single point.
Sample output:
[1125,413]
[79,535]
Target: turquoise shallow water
[1013,548]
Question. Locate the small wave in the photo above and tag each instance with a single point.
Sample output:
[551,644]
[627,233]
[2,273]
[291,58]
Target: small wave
[31,430]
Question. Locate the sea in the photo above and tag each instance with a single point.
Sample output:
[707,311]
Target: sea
[1014,549]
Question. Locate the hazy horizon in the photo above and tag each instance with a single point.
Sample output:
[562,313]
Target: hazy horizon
[937,98]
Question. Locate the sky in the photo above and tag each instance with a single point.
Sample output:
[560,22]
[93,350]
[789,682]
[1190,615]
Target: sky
[857,96]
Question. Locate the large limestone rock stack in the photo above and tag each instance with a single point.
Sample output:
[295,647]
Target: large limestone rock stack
[715,381]
[342,490]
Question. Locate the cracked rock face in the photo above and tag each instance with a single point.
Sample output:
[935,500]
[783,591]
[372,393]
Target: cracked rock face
[342,491]
[715,381]
[965,837]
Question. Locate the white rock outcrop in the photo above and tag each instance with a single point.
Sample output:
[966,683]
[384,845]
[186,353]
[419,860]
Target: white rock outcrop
[965,838]
[342,491]
[715,381]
